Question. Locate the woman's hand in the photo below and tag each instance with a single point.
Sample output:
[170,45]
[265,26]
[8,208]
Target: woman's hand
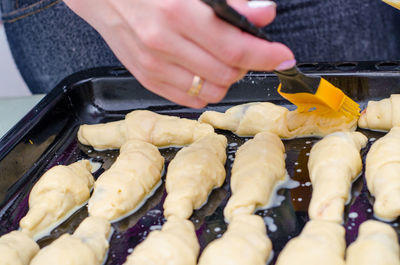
[165,43]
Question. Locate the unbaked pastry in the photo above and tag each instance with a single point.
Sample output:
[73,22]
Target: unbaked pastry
[57,194]
[377,244]
[259,165]
[88,245]
[147,126]
[245,242]
[334,163]
[252,118]
[175,244]
[381,115]
[131,178]
[320,242]
[383,174]
[17,248]
[193,173]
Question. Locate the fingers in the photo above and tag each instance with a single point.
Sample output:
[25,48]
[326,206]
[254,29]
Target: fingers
[166,78]
[164,44]
[160,76]
[168,47]
[261,13]
[232,46]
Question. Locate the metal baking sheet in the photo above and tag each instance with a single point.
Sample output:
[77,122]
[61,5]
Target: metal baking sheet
[46,136]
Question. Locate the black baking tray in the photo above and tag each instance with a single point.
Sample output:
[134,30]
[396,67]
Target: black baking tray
[46,136]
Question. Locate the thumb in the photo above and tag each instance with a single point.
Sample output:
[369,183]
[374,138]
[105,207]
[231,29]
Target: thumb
[260,12]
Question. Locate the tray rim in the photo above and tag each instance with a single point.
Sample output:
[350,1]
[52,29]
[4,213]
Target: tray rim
[30,119]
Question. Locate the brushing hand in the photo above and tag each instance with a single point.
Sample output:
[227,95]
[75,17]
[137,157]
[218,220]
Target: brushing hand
[168,44]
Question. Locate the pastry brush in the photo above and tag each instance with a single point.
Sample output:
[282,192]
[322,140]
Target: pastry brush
[394,3]
[306,92]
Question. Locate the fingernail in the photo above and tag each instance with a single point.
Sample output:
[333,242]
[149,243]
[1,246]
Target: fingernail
[286,65]
[258,3]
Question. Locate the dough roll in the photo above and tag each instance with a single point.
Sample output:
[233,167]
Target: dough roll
[244,243]
[334,163]
[319,243]
[259,165]
[175,244]
[17,248]
[123,187]
[383,174]
[381,115]
[192,175]
[55,196]
[88,245]
[147,126]
[377,244]
[252,118]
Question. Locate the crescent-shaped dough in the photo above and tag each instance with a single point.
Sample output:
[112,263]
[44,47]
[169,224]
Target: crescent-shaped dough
[86,246]
[252,118]
[334,163]
[193,173]
[259,165]
[56,196]
[175,244]
[319,243]
[17,248]
[147,126]
[121,189]
[245,242]
[377,244]
[383,174]
[381,115]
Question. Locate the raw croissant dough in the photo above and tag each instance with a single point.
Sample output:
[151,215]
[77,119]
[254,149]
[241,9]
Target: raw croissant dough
[86,246]
[259,165]
[383,174]
[381,115]
[319,243]
[17,248]
[147,126]
[245,242]
[377,244]
[193,173]
[175,244]
[252,118]
[334,163]
[122,188]
[56,196]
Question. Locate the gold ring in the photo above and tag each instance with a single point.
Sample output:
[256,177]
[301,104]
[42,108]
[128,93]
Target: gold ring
[197,84]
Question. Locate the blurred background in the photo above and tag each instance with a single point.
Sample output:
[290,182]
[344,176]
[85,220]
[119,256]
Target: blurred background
[11,82]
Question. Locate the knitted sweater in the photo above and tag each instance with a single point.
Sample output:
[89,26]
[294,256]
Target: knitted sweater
[338,30]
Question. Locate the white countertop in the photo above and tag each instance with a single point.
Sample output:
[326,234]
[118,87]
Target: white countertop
[12,109]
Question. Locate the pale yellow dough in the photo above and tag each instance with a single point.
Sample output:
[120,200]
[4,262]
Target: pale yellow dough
[334,163]
[245,242]
[259,165]
[122,188]
[377,244]
[381,115]
[17,248]
[383,175]
[319,243]
[147,126]
[252,118]
[193,173]
[88,245]
[175,244]
[54,197]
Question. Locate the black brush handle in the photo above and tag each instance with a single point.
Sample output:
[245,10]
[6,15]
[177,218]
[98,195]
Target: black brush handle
[230,15]
[293,80]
